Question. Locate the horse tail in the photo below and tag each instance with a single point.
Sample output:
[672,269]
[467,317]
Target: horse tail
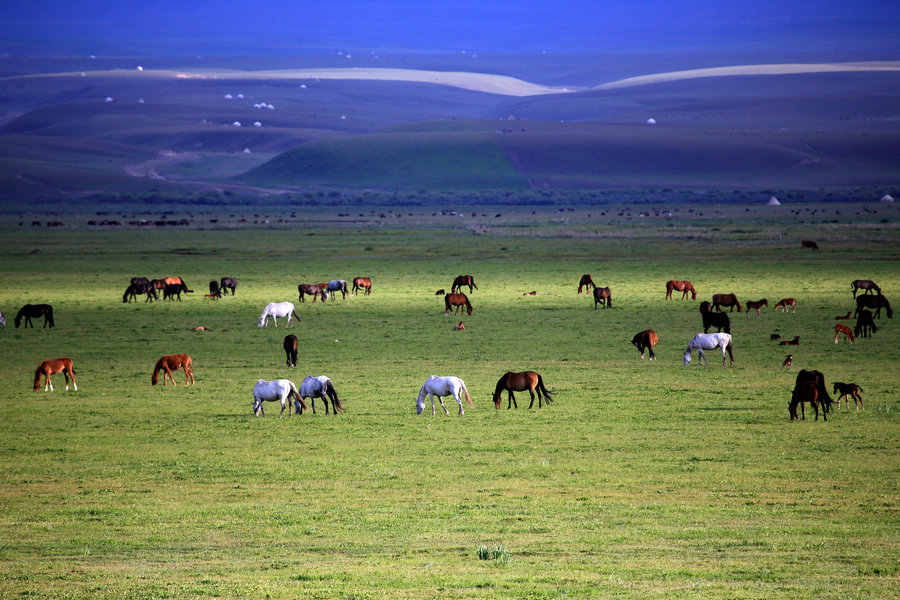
[446,306]
[729,348]
[544,390]
[473,284]
[154,379]
[294,312]
[466,392]
[332,394]
[297,396]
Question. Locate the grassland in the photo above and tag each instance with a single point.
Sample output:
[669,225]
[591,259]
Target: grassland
[643,480]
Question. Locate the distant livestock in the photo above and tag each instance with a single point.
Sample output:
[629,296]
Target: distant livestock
[809,387]
[462,280]
[440,387]
[172,362]
[337,285]
[51,367]
[727,300]
[290,349]
[228,283]
[519,382]
[809,244]
[877,302]
[458,301]
[756,305]
[719,320]
[684,287]
[319,386]
[793,342]
[362,283]
[603,296]
[586,282]
[645,340]
[33,311]
[864,284]
[786,303]
[280,390]
[865,324]
[275,310]
[841,328]
[316,290]
[709,341]
[847,391]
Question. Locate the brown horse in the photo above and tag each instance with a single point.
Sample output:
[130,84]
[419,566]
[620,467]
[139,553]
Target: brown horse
[756,305]
[457,300]
[173,362]
[730,300]
[864,284]
[645,340]
[877,302]
[462,280]
[848,389]
[50,367]
[809,387]
[316,290]
[841,328]
[602,295]
[460,327]
[290,349]
[586,282]
[682,286]
[809,244]
[362,283]
[843,317]
[786,303]
[793,342]
[788,361]
[519,382]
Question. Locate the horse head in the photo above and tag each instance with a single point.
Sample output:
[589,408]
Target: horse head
[420,404]
[687,358]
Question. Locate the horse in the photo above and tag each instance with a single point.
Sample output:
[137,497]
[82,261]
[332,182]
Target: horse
[462,280]
[319,387]
[440,387]
[809,387]
[843,317]
[793,342]
[362,283]
[227,283]
[789,361]
[531,293]
[141,287]
[139,280]
[158,284]
[33,311]
[602,295]
[519,382]
[172,362]
[646,339]
[275,310]
[460,327]
[174,290]
[315,290]
[864,284]
[877,302]
[848,389]
[865,324]
[176,280]
[709,341]
[51,367]
[440,292]
[720,300]
[841,328]
[290,349]
[214,290]
[756,305]
[682,286]
[786,303]
[586,282]
[458,300]
[719,320]
[809,244]
[270,391]
[337,285]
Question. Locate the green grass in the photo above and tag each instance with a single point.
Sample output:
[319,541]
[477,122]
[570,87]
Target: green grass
[642,480]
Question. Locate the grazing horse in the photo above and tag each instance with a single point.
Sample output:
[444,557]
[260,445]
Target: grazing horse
[756,305]
[141,287]
[682,286]
[51,367]
[709,341]
[841,328]
[362,283]
[586,282]
[809,387]
[864,284]
[177,280]
[462,280]
[158,284]
[33,311]
[172,362]
[173,290]
[337,285]
[786,303]
[458,300]
[714,319]
[227,283]
[270,391]
[848,389]
[319,387]
[440,387]
[865,324]
[315,290]
[139,280]
[290,349]
[275,310]
[793,342]
[877,302]
[645,340]
[809,244]
[519,382]
[720,300]
[602,295]
[214,290]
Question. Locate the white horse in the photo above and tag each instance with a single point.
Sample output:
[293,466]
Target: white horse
[709,341]
[270,391]
[442,386]
[319,387]
[337,285]
[277,309]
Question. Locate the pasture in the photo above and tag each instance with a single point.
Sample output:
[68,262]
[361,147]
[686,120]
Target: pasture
[641,480]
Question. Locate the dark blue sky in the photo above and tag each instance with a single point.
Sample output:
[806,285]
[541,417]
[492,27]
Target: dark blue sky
[128,27]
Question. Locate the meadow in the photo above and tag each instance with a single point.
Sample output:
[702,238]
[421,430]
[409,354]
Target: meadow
[642,480]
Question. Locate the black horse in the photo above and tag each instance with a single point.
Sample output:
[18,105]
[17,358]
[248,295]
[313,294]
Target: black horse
[719,320]
[877,302]
[228,283]
[214,290]
[810,387]
[290,349]
[865,324]
[140,287]
[174,290]
[33,311]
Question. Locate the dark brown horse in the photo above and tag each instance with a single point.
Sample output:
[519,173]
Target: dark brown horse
[172,362]
[756,305]
[877,302]
[290,349]
[141,287]
[33,311]
[462,280]
[728,300]
[519,382]
[793,342]
[362,283]
[227,283]
[786,303]
[316,290]
[214,290]
[809,244]
[173,290]
[586,282]
[865,324]
[864,284]
[602,295]
[645,340]
[714,319]
[682,286]
[51,367]
[457,300]
[809,387]
[847,391]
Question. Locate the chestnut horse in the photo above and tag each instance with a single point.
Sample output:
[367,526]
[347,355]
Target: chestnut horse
[50,367]
[362,283]
[602,295]
[173,362]
[809,387]
[681,286]
[841,328]
[586,282]
[751,305]
[458,300]
[462,280]
[290,349]
[864,284]
[729,300]
[519,382]
[645,340]
[786,303]
[33,311]
[315,290]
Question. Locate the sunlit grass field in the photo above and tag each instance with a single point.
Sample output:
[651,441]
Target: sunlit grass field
[642,480]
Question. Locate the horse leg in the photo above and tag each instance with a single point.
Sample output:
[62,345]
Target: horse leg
[48,385]
[441,400]
[281,414]
[511,400]
[701,357]
[459,401]
[531,391]
[650,350]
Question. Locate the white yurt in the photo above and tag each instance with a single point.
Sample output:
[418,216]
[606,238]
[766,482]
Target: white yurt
[773,201]
[887,198]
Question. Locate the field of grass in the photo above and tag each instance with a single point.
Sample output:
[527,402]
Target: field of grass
[642,480]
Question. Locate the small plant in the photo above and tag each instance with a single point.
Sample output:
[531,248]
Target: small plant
[498,554]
